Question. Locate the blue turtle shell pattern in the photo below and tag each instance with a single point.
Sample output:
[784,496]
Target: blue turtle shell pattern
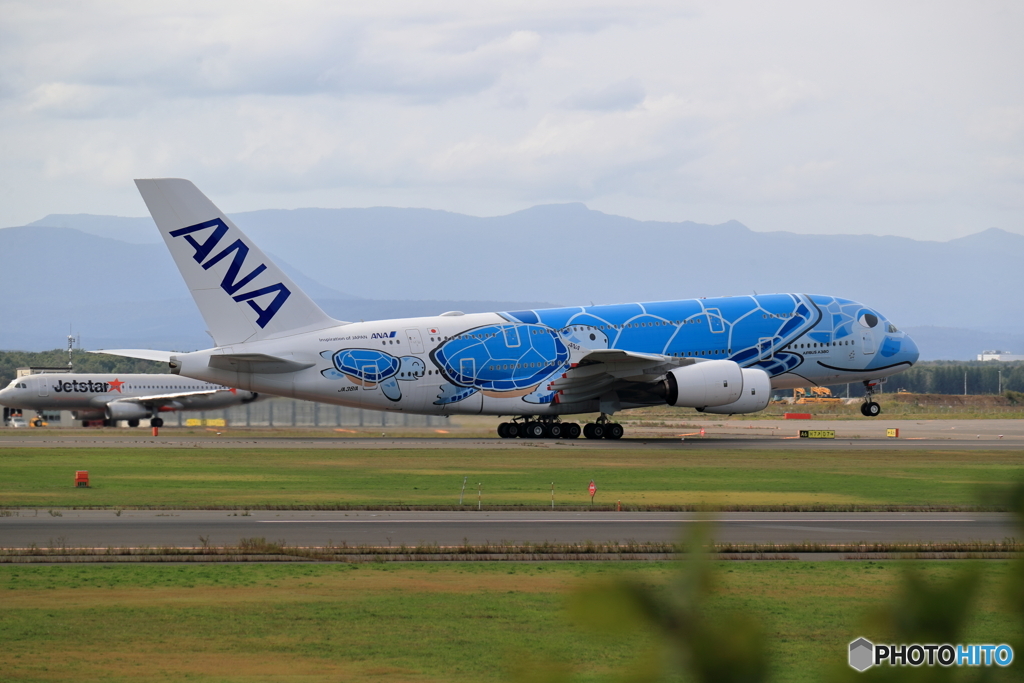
[366,364]
[508,357]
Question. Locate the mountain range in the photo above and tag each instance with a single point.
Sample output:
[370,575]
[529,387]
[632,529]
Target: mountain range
[112,279]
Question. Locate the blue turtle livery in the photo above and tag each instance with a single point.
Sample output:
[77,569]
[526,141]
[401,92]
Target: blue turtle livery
[724,355]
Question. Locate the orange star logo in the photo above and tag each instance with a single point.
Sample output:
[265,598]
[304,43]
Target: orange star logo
[115,385]
[233,391]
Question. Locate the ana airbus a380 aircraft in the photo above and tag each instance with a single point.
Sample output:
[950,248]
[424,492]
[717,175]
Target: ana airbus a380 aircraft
[719,355]
[119,397]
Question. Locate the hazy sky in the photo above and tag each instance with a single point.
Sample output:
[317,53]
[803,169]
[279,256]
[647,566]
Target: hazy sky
[871,117]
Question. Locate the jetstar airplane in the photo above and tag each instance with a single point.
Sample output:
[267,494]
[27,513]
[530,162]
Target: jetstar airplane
[119,397]
[721,355]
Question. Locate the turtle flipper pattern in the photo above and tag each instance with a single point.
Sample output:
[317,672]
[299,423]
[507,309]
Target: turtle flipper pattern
[391,389]
[453,394]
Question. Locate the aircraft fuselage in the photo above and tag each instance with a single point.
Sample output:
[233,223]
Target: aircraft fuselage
[504,363]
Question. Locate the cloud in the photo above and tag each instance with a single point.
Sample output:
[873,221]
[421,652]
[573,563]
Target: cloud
[621,96]
[798,116]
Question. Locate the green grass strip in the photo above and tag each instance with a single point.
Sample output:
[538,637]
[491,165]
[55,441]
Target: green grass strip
[409,622]
[687,478]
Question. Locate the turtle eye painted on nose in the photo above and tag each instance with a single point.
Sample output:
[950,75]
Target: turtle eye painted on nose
[867,319]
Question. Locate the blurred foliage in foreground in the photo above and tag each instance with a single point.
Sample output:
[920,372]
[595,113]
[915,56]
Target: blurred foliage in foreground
[689,643]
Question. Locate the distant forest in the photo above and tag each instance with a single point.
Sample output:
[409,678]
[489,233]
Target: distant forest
[947,377]
[928,377]
[10,361]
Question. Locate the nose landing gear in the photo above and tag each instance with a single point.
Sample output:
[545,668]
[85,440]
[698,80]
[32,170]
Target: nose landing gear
[870,408]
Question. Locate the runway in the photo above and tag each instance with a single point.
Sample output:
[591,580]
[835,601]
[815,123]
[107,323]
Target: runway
[185,528]
[728,434]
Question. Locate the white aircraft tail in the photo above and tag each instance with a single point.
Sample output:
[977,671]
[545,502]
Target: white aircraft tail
[242,295]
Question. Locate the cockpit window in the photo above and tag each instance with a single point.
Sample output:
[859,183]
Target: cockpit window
[892,328]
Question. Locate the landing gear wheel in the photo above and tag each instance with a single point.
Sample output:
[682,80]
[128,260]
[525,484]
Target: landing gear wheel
[535,430]
[133,423]
[108,423]
[503,430]
[572,431]
[156,422]
[598,431]
[513,430]
[588,431]
[870,409]
[556,430]
[613,431]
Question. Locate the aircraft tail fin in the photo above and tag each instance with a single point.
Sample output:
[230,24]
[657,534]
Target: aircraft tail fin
[242,295]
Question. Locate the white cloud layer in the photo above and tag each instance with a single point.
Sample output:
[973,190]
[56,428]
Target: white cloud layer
[875,117]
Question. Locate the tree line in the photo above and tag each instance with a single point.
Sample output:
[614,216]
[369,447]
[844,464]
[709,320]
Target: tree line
[947,377]
[10,361]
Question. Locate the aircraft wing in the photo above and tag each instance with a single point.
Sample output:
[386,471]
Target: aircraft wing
[166,398]
[603,370]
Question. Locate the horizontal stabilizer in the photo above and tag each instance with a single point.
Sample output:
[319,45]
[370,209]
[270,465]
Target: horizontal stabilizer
[144,354]
[258,363]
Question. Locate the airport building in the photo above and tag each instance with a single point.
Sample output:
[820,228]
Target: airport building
[272,412]
[998,355]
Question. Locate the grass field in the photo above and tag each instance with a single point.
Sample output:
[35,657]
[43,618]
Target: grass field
[408,622]
[203,478]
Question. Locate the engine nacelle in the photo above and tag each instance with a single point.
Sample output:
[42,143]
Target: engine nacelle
[88,414]
[118,410]
[757,391]
[711,383]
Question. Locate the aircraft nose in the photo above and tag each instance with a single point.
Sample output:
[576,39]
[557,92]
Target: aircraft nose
[910,349]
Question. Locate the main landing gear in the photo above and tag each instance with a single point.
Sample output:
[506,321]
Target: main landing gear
[538,429]
[870,408]
[156,422]
[549,428]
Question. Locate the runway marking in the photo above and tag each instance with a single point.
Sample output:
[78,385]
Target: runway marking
[601,521]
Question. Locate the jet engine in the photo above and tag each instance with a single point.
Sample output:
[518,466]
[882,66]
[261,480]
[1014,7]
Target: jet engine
[711,383]
[118,410]
[88,414]
[757,389]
